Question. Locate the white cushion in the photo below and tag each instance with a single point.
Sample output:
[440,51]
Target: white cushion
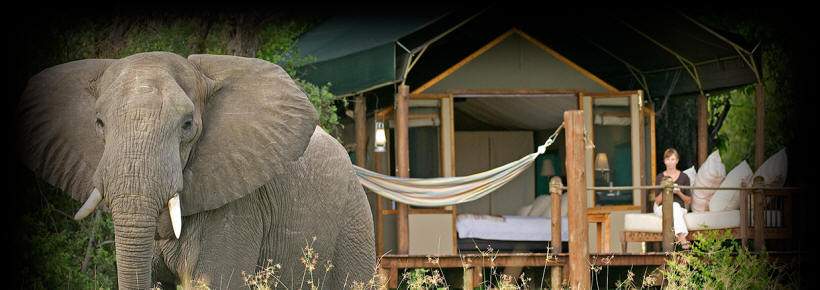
[524,210]
[774,169]
[540,206]
[691,173]
[649,222]
[730,199]
[712,220]
[711,174]
[643,222]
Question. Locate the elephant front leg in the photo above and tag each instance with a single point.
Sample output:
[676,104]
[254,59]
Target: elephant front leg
[161,275]
[229,247]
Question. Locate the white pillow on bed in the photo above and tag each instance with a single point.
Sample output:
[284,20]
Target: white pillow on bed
[724,200]
[691,173]
[540,207]
[711,174]
[524,210]
[774,169]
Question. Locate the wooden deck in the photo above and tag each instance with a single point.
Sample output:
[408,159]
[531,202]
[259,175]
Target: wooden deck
[474,263]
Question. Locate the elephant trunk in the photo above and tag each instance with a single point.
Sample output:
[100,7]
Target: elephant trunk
[135,225]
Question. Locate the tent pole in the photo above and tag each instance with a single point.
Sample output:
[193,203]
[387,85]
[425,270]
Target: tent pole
[403,165]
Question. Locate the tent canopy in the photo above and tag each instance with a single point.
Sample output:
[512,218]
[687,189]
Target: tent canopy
[663,52]
[356,50]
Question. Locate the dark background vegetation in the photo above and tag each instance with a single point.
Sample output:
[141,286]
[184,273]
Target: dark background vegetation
[38,232]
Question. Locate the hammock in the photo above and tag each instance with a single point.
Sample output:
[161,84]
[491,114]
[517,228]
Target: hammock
[442,191]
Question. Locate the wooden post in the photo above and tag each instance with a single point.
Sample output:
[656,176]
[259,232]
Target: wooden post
[577,201]
[668,220]
[760,124]
[555,220]
[555,212]
[378,163]
[403,165]
[744,217]
[556,278]
[469,280]
[703,134]
[384,276]
[359,109]
[758,200]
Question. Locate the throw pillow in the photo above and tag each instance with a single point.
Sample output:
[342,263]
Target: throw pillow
[774,169]
[711,174]
[724,200]
[541,206]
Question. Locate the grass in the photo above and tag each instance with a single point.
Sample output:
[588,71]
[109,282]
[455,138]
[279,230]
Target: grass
[715,262]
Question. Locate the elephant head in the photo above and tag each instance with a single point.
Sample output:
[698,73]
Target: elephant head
[155,136]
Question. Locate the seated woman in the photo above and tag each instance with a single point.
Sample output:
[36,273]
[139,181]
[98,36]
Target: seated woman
[670,159]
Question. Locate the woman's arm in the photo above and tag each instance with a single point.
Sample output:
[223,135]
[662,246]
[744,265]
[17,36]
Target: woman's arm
[686,198]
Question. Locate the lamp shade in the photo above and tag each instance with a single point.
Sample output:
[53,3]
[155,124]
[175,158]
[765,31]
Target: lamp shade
[601,162]
[547,168]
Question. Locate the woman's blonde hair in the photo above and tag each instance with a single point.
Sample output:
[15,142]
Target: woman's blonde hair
[670,152]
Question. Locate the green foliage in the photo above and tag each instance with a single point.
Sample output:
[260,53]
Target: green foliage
[278,45]
[179,36]
[58,245]
[736,138]
[423,278]
[717,262]
[325,103]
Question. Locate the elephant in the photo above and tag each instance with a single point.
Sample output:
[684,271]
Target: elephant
[212,166]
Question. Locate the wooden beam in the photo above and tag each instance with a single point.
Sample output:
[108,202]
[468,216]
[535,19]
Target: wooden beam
[636,142]
[744,216]
[462,63]
[760,124]
[668,221]
[703,135]
[403,165]
[555,211]
[758,200]
[359,111]
[577,201]
[566,61]
[502,93]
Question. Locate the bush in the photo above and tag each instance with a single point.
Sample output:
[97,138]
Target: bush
[718,262]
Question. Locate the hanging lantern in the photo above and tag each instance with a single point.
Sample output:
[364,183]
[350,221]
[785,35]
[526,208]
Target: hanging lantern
[381,138]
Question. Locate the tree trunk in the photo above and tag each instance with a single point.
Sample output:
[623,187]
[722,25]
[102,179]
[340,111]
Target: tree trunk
[243,34]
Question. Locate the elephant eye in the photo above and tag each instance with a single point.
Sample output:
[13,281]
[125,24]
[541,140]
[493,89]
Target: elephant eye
[187,125]
[100,126]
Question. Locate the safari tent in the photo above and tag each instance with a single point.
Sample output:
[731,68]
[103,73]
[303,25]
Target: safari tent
[484,87]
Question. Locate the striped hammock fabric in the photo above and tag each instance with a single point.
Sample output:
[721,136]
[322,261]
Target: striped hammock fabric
[443,191]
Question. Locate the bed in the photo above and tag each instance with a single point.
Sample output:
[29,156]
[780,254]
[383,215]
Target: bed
[506,233]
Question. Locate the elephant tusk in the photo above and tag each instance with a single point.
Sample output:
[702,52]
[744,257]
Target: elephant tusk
[176,214]
[89,206]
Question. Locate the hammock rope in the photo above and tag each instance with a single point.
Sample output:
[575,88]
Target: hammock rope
[443,191]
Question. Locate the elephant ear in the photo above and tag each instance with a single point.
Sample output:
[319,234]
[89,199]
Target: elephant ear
[255,119]
[57,137]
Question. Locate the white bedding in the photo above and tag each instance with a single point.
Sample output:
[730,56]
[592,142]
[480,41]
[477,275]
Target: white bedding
[508,228]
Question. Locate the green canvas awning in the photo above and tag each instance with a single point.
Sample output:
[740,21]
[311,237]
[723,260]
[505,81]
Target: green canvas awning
[356,51]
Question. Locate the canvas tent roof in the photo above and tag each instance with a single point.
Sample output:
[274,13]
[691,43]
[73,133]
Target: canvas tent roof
[623,47]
